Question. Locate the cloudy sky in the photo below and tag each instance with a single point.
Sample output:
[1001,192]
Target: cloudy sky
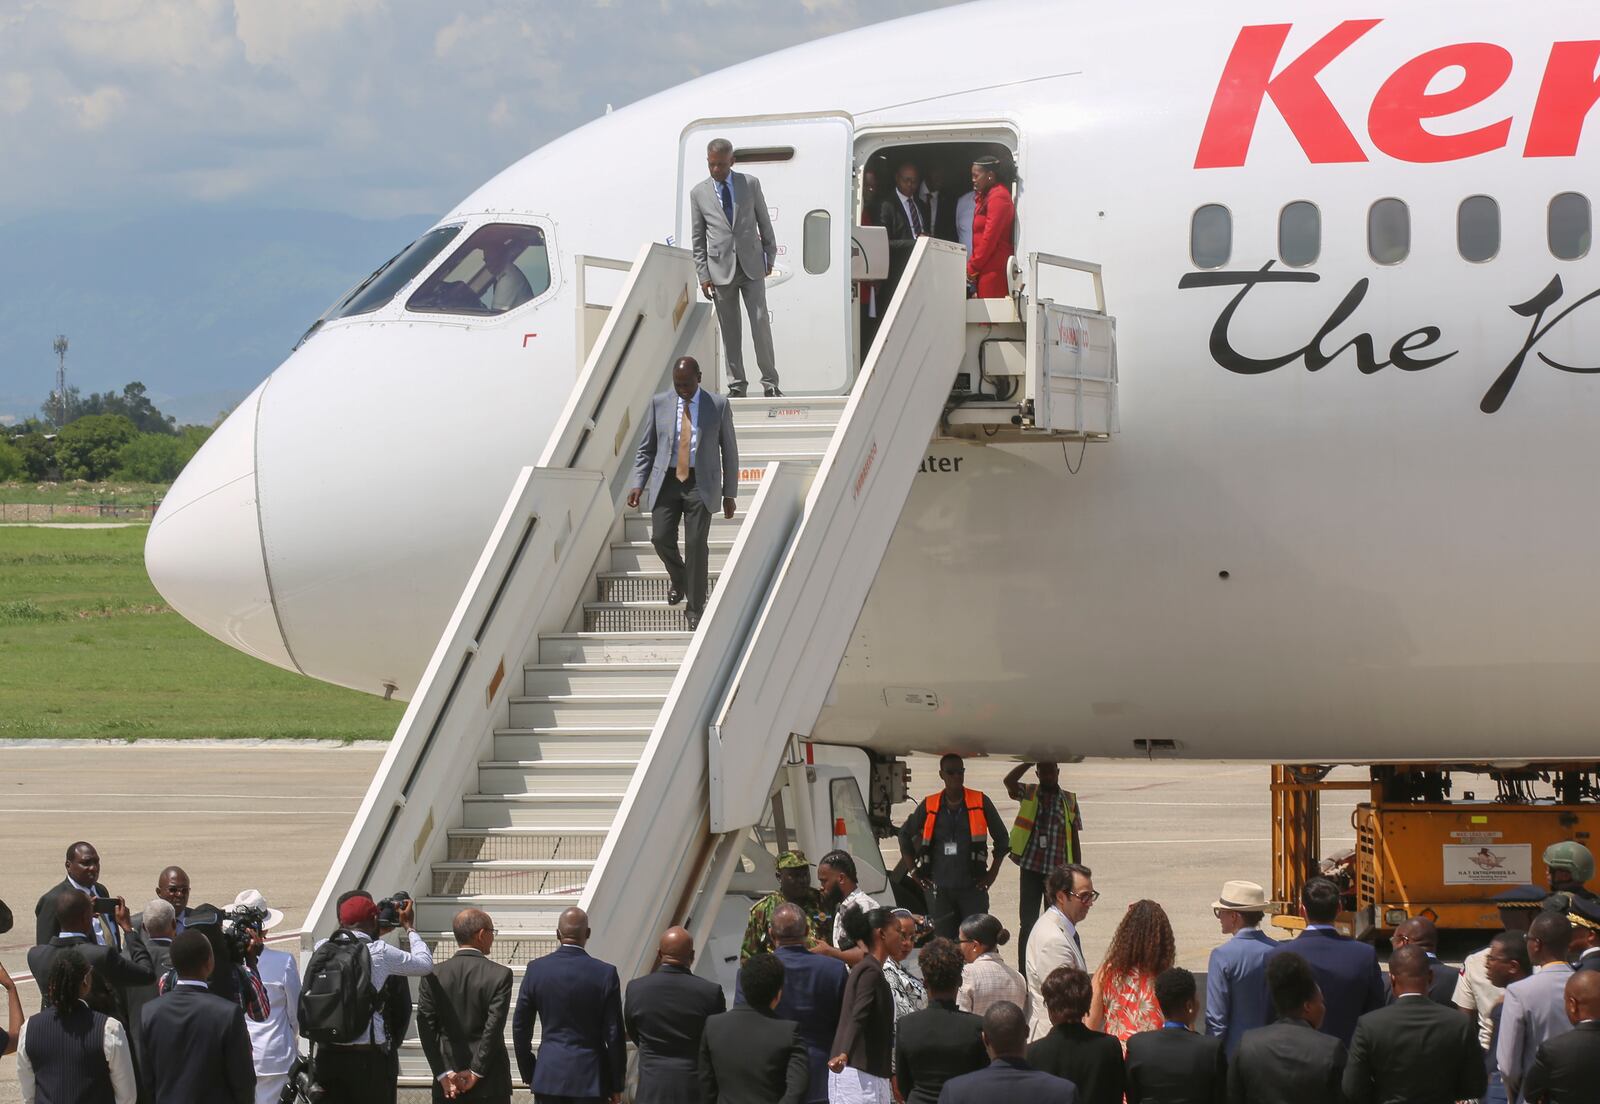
[372,108]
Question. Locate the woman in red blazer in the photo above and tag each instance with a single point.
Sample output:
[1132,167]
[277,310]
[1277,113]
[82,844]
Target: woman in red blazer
[992,217]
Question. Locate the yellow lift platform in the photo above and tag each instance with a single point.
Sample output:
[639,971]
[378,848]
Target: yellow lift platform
[1421,852]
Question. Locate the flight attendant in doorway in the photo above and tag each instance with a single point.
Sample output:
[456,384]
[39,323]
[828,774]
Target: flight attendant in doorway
[992,219]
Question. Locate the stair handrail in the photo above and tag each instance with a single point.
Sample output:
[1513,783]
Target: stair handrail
[855,501]
[650,865]
[555,523]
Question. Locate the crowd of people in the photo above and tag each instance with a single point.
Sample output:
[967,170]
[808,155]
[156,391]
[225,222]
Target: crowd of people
[839,998]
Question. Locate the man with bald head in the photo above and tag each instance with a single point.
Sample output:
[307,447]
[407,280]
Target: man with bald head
[578,1000]
[462,1017]
[1566,1069]
[813,993]
[1421,932]
[664,1016]
[1413,1051]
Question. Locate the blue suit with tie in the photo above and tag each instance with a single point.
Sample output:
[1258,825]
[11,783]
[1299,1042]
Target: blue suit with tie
[1236,987]
[813,992]
[1348,973]
[578,1000]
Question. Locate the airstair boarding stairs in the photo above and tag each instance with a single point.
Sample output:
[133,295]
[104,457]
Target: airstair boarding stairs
[571,742]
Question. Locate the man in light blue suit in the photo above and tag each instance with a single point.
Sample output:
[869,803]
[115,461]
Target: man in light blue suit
[689,452]
[1237,998]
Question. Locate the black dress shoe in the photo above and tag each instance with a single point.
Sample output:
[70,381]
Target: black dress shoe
[693,619]
[736,390]
[674,596]
[772,392]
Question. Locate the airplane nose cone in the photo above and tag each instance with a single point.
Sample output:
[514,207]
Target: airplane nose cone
[204,550]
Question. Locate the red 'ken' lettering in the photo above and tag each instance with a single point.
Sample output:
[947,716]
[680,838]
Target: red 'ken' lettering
[1395,121]
[1247,81]
[1569,90]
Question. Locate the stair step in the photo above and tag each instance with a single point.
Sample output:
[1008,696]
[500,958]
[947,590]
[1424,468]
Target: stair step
[790,434]
[588,678]
[538,776]
[524,844]
[614,647]
[607,710]
[564,744]
[633,616]
[639,586]
[522,910]
[636,527]
[630,556]
[587,810]
[508,876]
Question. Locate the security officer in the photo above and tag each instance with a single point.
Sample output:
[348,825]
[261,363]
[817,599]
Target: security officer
[1569,865]
[948,836]
[794,886]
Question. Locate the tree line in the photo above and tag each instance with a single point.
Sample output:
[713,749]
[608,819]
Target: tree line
[107,435]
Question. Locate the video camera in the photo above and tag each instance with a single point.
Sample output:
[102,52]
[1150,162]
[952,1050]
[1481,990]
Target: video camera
[389,909]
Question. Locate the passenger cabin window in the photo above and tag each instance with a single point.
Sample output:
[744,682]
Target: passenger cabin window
[500,267]
[1211,236]
[1300,234]
[816,247]
[1571,225]
[1478,229]
[1389,231]
[384,284]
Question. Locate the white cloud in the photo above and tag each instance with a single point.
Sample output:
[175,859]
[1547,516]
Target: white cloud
[95,109]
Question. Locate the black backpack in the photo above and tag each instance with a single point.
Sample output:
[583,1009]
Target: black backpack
[337,1000]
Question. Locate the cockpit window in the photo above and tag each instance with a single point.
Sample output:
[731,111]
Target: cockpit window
[500,267]
[382,285]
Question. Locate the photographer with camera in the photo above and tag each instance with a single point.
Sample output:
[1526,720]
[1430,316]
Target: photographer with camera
[230,934]
[273,1040]
[342,1009]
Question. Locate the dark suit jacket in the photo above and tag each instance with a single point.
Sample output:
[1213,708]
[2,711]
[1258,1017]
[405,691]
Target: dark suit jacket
[578,999]
[461,1017]
[113,974]
[1585,962]
[1414,1052]
[1091,1060]
[1172,1066]
[751,1057]
[892,216]
[664,1015]
[1008,1081]
[1287,1061]
[866,1020]
[934,1045]
[813,992]
[1348,972]
[155,956]
[1566,1068]
[47,926]
[197,1049]
[944,214]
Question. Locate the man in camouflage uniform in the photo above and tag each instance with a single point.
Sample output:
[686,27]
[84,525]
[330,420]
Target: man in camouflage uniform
[794,885]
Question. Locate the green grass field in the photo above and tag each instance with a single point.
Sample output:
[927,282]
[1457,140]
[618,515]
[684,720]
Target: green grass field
[89,650]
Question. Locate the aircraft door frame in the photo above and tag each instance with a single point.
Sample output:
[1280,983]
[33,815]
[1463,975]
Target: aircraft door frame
[805,166]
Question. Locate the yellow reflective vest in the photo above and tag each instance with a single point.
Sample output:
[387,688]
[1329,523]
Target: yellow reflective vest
[1022,827]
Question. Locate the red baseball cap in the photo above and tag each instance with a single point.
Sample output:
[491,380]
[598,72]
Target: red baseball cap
[358,911]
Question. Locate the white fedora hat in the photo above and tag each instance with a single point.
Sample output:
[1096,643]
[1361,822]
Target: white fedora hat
[251,898]
[1241,896]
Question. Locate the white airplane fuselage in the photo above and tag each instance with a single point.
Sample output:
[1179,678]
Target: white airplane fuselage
[1309,541]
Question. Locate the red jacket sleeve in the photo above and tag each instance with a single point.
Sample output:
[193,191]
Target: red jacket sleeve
[995,245]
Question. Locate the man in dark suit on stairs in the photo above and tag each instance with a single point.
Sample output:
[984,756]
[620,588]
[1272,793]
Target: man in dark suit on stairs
[1414,1051]
[748,1055]
[1288,1060]
[689,453]
[1347,971]
[196,1047]
[462,1014]
[578,1000]
[664,1015]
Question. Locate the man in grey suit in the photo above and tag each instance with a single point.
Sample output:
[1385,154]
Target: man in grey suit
[688,452]
[733,251]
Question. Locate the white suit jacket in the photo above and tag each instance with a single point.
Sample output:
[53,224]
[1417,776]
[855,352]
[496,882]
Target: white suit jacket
[1050,946]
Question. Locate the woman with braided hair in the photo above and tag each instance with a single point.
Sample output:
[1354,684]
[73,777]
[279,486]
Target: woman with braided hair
[1124,987]
[69,1052]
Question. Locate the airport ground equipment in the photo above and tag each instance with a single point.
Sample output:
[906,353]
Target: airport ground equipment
[572,743]
[1426,845]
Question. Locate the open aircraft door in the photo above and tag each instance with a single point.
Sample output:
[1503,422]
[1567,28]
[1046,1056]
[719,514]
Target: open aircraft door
[804,164]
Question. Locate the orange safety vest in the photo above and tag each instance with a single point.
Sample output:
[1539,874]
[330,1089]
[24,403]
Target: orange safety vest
[977,823]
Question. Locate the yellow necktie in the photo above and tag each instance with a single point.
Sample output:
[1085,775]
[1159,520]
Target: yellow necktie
[685,432]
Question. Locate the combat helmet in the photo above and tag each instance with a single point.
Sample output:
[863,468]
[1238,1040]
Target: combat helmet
[1573,857]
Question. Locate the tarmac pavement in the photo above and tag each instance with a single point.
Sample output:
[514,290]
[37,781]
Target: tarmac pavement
[270,816]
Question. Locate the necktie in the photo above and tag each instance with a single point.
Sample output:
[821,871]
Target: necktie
[685,432]
[916,220]
[1079,941]
[727,200]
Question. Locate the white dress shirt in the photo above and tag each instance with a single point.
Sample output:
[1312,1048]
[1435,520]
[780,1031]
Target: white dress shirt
[118,1060]
[273,1042]
[388,960]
